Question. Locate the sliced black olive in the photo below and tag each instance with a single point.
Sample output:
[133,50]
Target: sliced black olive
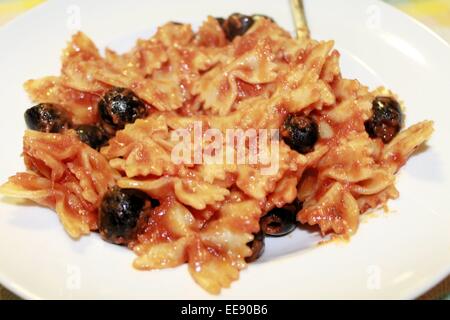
[280,221]
[119,214]
[300,133]
[47,117]
[386,120]
[236,25]
[92,135]
[257,247]
[120,106]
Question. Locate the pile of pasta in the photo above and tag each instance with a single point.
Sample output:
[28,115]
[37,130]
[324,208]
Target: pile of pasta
[209,212]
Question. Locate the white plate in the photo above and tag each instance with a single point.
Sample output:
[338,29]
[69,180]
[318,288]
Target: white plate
[395,255]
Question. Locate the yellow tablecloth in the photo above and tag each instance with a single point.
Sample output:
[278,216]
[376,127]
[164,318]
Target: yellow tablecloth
[434,13]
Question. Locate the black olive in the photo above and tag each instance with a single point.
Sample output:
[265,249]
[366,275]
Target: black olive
[120,106]
[154,202]
[92,135]
[257,247]
[294,207]
[47,117]
[300,133]
[220,20]
[119,214]
[280,221]
[236,25]
[386,120]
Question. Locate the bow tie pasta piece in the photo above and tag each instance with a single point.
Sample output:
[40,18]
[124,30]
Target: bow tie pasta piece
[65,175]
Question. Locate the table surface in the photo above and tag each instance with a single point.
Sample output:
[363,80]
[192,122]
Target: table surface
[434,13]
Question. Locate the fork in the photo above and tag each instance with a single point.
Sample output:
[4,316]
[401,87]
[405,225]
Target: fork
[298,13]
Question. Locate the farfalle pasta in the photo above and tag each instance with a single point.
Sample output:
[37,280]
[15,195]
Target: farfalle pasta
[325,149]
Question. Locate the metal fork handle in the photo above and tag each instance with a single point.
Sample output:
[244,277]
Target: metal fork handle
[298,13]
